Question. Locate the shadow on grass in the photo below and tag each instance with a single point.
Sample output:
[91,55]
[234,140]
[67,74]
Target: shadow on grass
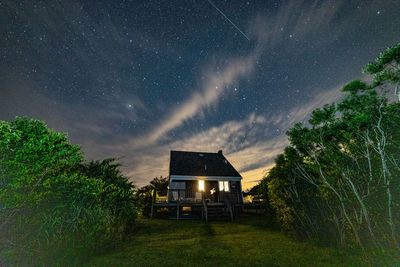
[208,230]
[207,236]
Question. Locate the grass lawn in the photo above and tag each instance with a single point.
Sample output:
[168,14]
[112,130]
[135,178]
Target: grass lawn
[246,242]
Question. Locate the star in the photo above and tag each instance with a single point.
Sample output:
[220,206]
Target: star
[120,63]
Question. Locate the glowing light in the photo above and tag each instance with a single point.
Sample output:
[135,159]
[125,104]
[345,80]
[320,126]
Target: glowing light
[221,185]
[201,185]
[226,186]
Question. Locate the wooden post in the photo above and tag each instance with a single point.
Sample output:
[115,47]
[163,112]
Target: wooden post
[229,207]
[177,206]
[152,204]
[237,194]
[202,209]
[241,197]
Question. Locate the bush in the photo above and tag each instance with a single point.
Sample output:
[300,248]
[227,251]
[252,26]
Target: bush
[52,204]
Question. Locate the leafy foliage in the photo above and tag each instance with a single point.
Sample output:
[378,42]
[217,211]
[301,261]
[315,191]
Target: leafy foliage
[145,193]
[338,181]
[51,203]
[117,194]
[355,86]
[386,69]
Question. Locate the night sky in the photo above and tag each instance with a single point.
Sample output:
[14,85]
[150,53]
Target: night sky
[136,79]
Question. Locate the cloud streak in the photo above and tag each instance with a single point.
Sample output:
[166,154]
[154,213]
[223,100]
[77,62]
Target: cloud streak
[209,94]
[251,144]
[239,140]
[268,32]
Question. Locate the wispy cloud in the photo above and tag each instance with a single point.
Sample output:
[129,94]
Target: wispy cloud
[302,112]
[208,95]
[277,28]
[251,144]
[268,33]
[231,136]
[240,140]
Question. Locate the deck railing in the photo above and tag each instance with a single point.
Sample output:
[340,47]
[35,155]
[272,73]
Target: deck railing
[181,194]
[200,201]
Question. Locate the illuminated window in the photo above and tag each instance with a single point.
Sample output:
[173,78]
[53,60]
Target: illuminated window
[201,185]
[226,186]
[221,185]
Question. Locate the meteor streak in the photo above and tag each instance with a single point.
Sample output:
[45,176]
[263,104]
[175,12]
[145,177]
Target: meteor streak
[234,25]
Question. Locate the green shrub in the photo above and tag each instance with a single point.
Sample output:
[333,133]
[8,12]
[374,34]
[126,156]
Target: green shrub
[52,205]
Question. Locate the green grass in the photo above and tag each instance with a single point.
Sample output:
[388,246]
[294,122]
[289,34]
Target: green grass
[247,242]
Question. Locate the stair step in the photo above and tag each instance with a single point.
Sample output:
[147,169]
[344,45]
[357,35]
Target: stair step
[218,213]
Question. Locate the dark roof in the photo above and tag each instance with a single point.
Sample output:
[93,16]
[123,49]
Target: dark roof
[200,164]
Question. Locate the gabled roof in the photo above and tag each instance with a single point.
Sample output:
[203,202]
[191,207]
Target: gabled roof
[200,164]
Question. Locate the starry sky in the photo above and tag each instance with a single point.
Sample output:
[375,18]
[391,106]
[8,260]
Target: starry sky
[136,79]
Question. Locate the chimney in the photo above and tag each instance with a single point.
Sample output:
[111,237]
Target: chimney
[220,152]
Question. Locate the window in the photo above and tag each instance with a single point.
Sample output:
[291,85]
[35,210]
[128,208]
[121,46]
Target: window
[221,185]
[226,186]
[178,194]
[177,188]
[201,185]
[178,185]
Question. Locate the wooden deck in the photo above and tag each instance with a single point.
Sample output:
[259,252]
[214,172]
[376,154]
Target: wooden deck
[175,204]
[207,208]
[204,207]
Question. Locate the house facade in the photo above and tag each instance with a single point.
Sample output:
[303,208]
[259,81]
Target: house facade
[198,176]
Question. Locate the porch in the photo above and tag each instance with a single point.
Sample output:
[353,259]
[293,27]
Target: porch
[212,191]
[202,198]
[201,208]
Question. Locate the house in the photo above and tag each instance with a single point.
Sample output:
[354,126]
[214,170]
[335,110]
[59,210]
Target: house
[193,175]
[203,184]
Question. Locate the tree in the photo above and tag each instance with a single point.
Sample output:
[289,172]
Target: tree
[338,179]
[160,185]
[386,69]
[145,193]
